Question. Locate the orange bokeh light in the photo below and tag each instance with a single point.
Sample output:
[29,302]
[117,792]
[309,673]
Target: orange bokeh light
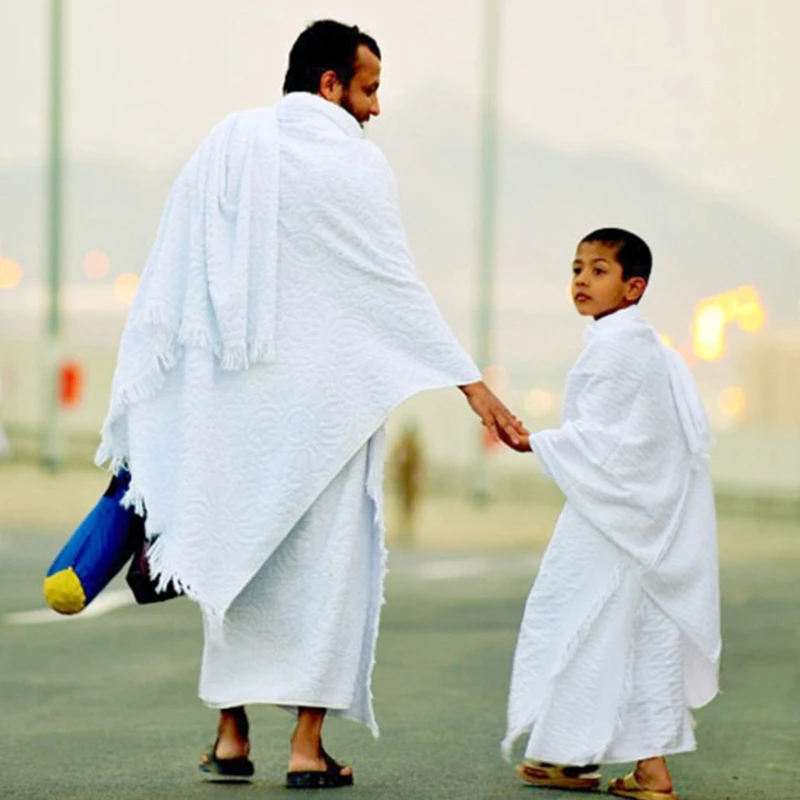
[96,264]
[713,316]
[732,401]
[10,273]
[540,402]
[125,287]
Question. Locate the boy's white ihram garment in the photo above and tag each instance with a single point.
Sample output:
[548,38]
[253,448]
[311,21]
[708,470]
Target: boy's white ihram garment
[621,632]
[278,322]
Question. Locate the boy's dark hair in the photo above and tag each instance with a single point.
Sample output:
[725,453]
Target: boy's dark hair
[322,46]
[632,251]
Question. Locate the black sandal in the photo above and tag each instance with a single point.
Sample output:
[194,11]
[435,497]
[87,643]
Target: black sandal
[228,770]
[330,778]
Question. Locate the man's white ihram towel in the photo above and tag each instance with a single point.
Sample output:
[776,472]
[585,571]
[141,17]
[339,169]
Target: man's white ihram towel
[278,322]
[634,554]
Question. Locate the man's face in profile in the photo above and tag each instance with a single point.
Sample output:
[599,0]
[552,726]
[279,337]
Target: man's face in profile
[360,98]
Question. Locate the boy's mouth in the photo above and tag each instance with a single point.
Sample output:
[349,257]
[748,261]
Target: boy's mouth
[581,297]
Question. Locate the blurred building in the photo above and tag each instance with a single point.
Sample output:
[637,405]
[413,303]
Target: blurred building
[771,381]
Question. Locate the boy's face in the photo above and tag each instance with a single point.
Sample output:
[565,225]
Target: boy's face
[597,285]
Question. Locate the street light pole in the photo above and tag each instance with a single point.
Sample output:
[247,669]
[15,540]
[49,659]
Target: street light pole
[51,446]
[487,208]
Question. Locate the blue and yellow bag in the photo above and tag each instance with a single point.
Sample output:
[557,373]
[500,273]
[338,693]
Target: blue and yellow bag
[105,541]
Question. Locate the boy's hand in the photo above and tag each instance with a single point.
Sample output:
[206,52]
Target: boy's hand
[524,445]
[500,422]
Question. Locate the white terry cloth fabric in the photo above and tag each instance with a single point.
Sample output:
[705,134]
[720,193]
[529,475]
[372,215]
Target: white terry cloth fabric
[234,421]
[326,644]
[632,564]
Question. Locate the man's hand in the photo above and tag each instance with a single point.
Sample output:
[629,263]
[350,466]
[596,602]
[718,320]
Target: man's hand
[500,422]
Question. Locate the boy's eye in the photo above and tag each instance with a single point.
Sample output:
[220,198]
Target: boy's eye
[598,271]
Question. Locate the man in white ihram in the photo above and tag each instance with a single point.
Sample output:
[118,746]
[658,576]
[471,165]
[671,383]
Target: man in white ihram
[278,322]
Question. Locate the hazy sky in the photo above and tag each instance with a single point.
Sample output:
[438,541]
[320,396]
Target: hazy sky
[704,89]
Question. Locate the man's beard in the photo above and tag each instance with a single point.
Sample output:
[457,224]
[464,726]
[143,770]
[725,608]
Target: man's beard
[345,104]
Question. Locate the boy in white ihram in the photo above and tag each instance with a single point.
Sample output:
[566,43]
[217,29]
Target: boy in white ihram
[621,633]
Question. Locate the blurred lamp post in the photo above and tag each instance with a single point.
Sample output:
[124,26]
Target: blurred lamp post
[487,205]
[51,446]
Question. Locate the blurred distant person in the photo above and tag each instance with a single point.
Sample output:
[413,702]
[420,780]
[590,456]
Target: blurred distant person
[409,471]
[5,444]
[621,633]
[278,322]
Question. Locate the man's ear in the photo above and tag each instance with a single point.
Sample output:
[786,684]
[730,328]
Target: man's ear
[329,86]
[636,287]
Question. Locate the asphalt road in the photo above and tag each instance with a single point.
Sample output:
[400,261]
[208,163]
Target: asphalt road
[105,706]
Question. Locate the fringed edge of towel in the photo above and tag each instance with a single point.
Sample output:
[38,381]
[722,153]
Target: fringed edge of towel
[162,322]
[238,358]
[161,570]
[166,574]
[160,326]
[374,488]
[169,345]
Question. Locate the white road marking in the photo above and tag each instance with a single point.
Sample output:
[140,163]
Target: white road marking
[431,570]
[448,570]
[104,604]
[452,569]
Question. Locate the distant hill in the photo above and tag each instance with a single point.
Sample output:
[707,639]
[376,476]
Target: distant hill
[547,200]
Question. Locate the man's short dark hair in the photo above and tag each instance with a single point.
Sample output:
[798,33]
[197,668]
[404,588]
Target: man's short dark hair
[325,45]
[630,250]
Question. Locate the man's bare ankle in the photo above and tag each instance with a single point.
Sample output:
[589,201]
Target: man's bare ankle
[233,735]
[303,748]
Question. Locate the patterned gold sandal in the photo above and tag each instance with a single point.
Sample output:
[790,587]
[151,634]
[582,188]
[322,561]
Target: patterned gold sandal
[556,776]
[629,787]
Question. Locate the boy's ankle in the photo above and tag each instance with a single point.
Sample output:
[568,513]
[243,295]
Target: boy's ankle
[653,774]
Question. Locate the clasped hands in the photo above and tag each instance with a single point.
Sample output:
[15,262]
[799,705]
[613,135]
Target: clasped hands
[496,418]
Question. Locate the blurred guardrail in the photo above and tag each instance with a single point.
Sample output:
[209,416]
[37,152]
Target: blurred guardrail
[506,484]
